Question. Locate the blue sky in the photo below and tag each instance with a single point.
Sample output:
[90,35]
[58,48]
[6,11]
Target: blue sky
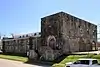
[24,16]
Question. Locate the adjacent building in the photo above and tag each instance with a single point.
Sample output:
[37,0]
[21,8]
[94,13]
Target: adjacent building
[21,44]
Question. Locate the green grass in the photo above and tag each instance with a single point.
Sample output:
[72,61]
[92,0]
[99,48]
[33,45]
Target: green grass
[72,58]
[58,65]
[69,58]
[16,58]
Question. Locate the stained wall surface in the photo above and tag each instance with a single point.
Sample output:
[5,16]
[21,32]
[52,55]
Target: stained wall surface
[66,33]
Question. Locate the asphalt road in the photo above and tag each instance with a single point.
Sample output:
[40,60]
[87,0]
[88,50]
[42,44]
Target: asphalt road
[10,63]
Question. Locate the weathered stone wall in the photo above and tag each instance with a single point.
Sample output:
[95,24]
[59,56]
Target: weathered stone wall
[51,31]
[51,35]
[21,45]
[67,33]
[79,33]
[16,45]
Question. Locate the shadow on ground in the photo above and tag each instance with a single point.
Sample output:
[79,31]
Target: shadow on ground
[46,63]
[39,63]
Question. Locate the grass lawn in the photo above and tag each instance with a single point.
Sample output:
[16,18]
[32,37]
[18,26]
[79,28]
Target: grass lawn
[17,58]
[72,58]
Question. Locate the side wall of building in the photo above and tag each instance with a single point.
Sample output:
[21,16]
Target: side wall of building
[79,34]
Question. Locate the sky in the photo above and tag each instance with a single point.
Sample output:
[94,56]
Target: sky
[24,16]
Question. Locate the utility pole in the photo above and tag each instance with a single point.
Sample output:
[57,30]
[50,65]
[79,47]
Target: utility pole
[0,35]
[98,32]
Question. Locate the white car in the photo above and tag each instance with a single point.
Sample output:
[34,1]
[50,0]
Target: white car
[84,63]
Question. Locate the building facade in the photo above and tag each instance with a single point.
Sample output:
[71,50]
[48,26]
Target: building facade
[21,44]
[63,33]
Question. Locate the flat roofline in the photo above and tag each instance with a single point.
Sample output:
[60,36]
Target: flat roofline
[68,14]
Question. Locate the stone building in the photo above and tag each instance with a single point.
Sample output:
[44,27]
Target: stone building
[63,33]
[21,44]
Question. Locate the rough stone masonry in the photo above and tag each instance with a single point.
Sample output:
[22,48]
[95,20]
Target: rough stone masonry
[63,33]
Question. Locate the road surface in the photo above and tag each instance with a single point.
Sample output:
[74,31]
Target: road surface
[10,63]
